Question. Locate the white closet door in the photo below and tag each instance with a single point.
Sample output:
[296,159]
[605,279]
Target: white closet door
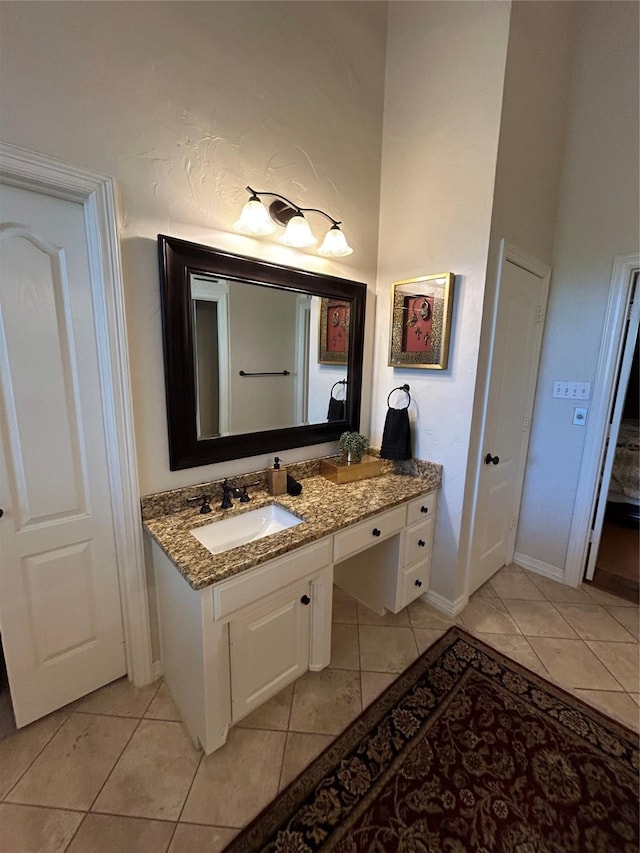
[60,613]
[517,337]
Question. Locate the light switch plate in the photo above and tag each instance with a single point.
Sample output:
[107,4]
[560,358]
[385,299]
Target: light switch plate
[566,390]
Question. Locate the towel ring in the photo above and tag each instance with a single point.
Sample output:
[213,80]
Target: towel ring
[404,388]
[339,382]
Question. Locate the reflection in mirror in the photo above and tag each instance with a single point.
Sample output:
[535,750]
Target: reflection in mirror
[270,372]
[258,357]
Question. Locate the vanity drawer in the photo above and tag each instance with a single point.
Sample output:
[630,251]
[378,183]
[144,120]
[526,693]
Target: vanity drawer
[418,542]
[414,582]
[422,507]
[252,585]
[368,532]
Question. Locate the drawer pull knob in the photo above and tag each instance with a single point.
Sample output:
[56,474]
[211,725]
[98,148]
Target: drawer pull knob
[421,543]
[305,600]
[418,583]
[424,509]
[375,532]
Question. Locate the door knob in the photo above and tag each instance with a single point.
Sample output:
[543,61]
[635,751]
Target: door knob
[421,543]
[375,532]
[488,459]
[305,600]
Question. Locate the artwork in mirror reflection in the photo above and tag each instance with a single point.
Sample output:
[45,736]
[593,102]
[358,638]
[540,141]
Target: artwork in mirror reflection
[253,353]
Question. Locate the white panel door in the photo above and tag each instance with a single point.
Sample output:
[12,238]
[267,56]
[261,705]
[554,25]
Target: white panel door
[514,368]
[60,615]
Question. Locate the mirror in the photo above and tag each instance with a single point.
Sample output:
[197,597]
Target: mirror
[258,357]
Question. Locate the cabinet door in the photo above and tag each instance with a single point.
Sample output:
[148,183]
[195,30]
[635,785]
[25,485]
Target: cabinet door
[269,647]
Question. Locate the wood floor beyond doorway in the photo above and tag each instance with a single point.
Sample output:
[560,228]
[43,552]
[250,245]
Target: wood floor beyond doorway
[618,567]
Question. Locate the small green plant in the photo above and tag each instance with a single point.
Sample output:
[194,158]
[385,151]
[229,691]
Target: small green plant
[353,445]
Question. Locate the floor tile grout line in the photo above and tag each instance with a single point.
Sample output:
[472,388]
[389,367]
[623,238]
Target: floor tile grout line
[187,795]
[35,758]
[594,652]
[115,764]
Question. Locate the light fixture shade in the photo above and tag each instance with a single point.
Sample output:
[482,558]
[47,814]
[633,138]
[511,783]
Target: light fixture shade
[334,244]
[255,219]
[298,234]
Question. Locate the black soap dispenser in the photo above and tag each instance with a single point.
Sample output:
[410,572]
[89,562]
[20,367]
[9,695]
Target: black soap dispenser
[277,477]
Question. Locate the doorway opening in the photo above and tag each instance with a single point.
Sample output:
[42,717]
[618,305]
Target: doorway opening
[7,719]
[612,561]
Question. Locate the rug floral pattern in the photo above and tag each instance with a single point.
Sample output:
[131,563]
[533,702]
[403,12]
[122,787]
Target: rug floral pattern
[467,751]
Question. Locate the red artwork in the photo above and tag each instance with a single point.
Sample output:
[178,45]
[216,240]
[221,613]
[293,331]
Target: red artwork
[418,318]
[337,327]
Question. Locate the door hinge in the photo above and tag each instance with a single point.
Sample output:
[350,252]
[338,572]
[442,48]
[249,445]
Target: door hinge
[513,522]
[525,425]
[540,314]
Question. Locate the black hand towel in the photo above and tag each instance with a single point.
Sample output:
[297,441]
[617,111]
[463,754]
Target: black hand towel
[336,410]
[293,486]
[396,437]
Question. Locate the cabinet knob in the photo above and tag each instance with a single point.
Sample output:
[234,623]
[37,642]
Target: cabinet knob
[421,543]
[1,513]
[488,459]
[375,532]
[424,509]
[418,583]
[305,600]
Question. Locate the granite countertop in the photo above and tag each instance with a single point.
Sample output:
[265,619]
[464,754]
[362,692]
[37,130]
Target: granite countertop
[324,507]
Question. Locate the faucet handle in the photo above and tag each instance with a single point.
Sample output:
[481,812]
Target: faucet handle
[205,508]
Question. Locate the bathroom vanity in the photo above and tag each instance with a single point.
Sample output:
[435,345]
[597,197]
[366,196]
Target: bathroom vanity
[238,626]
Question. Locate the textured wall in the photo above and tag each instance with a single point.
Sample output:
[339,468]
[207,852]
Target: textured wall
[445,71]
[184,104]
[597,220]
[529,167]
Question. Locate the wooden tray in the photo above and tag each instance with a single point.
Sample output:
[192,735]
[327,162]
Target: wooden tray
[339,472]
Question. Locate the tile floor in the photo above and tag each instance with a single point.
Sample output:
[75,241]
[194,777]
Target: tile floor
[115,771]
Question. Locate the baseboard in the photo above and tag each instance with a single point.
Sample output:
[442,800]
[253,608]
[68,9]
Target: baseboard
[444,605]
[539,567]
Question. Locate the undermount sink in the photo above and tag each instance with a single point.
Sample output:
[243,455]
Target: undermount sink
[246,527]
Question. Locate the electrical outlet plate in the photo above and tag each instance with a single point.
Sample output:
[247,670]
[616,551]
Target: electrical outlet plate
[579,416]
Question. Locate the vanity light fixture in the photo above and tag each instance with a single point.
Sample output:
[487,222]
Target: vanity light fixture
[258,220]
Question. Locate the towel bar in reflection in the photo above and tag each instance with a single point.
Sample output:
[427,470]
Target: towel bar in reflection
[266,373]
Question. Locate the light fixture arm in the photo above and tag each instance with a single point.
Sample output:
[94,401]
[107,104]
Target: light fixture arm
[293,206]
[257,220]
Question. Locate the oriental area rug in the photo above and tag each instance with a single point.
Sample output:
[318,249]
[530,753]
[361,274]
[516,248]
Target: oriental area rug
[465,751]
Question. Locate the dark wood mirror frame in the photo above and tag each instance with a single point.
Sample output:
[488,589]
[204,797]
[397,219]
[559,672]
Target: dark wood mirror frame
[179,260]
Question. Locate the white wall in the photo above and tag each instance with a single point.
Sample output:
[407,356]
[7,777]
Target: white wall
[597,220]
[529,167]
[184,104]
[443,95]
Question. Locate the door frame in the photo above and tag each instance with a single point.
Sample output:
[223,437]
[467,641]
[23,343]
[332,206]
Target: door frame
[510,253]
[609,359]
[30,170]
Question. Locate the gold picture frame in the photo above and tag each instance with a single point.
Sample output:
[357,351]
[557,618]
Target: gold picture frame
[333,338]
[421,321]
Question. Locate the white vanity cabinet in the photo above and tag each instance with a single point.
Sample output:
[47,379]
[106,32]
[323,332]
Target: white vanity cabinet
[385,562]
[228,648]
[414,571]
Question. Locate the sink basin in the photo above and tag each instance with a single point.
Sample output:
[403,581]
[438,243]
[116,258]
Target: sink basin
[244,528]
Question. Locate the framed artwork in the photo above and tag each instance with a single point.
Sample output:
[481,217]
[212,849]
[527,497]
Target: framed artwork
[333,340]
[421,321]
